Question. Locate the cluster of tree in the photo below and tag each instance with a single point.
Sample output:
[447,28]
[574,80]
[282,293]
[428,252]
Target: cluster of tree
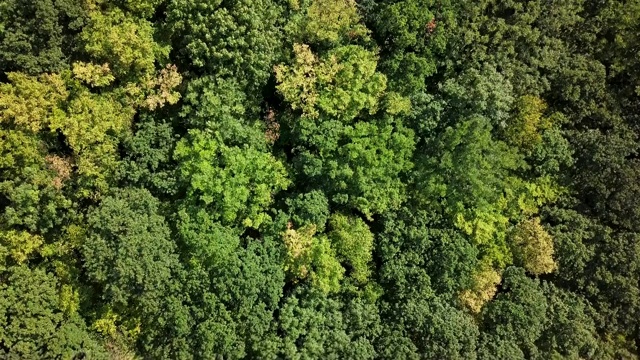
[310,179]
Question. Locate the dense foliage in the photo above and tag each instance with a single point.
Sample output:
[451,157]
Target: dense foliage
[311,179]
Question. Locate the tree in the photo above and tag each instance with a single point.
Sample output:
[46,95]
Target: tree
[571,331]
[341,84]
[595,261]
[90,124]
[221,106]
[125,42]
[529,319]
[518,314]
[331,95]
[128,255]
[312,257]
[144,8]
[244,46]
[412,34]
[533,247]
[242,276]
[147,160]
[30,188]
[309,208]
[483,289]
[353,242]
[314,325]
[421,267]
[418,250]
[33,322]
[237,183]
[39,36]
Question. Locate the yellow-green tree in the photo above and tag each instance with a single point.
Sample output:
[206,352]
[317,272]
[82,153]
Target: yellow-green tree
[532,247]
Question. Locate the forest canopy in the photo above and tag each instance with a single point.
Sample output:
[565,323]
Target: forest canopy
[319,179]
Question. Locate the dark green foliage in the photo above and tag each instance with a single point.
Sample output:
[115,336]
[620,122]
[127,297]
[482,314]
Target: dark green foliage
[309,208]
[537,320]
[225,299]
[492,347]
[570,332]
[420,260]
[34,325]
[243,45]
[315,326]
[417,252]
[600,264]
[364,171]
[519,314]
[441,331]
[411,34]
[128,253]
[38,36]
[147,160]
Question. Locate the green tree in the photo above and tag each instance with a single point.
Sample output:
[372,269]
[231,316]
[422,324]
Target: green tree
[123,41]
[312,257]
[30,185]
[422,267]
[238,183]
[128,255]
[221,106]
[147,156]
[331,95]
[224,300]
[244,46]
[517,315]
[595,261]
[420,253]
[341,84]
[412,35]
[353,242]
[529,319]
[309,208]
[33,324]
[39,36]
[313,325]
[571,331]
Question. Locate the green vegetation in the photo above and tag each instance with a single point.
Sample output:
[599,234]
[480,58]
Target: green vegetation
[319,179]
